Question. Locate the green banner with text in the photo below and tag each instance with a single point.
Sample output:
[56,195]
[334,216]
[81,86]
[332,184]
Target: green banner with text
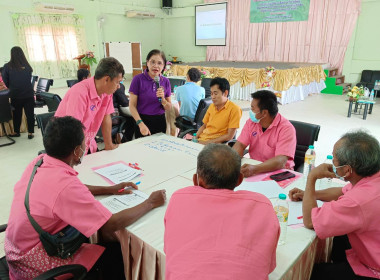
[279,10]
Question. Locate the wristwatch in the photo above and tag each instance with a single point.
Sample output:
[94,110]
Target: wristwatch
[138,122]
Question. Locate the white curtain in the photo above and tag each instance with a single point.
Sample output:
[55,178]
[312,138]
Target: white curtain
[51,42]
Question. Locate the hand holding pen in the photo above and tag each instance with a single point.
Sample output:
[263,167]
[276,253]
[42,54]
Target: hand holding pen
[125,189]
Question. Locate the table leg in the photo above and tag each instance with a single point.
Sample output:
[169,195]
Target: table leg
[349,109]
[370,109]
[365,111]
[356,107]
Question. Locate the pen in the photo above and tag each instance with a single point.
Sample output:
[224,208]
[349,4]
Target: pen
[300,217]
[137,183]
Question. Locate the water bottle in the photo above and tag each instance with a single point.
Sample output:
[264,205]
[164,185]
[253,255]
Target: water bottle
[282,211]
[371,96]
[309,161]
[194,139]
[325,183]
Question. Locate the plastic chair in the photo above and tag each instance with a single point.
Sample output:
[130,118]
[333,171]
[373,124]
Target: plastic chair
[186,125]
[34,80]
[306,133]
[76,270]
[5,114]
[206,84]
[70,83]
[43,85]
[51,100]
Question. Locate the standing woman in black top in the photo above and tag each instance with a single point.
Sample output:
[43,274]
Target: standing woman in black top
[17,75]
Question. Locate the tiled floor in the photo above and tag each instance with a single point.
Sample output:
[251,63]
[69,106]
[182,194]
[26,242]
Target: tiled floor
[329,111]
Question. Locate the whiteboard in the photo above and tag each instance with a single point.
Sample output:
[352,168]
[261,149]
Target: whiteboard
[122,51]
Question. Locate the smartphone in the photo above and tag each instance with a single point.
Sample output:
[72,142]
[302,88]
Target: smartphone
[282,176]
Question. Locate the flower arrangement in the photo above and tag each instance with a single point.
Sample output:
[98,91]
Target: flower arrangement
[89,58]
[355,93]
[271,71]
[206,74]
[168,72]
[265,85]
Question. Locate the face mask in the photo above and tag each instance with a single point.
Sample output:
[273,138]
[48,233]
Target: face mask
[336,174]
[252,116]
[81,158]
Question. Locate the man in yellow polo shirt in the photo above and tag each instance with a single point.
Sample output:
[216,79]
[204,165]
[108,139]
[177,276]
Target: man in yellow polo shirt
[222,118]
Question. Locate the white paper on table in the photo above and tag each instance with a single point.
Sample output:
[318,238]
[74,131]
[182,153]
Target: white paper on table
[295,211]
[268,188]
[118,173]
[117,203]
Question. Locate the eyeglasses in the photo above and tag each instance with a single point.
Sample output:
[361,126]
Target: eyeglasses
[153,62]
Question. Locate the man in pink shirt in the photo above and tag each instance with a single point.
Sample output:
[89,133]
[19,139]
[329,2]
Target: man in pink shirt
[271,138]
[90,101]
[57,198]
[351,211]
[213,232]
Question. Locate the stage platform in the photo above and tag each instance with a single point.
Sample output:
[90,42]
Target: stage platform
[290,81]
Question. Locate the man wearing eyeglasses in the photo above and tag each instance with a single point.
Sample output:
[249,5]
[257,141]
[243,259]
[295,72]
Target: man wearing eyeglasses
[351,213]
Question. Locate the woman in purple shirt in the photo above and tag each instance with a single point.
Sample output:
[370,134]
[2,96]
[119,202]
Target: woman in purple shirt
[148,102]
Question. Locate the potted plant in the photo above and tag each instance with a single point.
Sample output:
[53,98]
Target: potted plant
[355,93]
[89,58]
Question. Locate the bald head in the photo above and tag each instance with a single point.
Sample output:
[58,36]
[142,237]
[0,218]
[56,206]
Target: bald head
[219,166]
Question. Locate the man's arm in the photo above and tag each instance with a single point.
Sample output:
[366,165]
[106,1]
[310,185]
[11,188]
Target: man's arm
[272,164]
[126,217]
[326,195]
[200,130]
[239,148]
[310,198]
[107,131]
[115,189]
[224,138]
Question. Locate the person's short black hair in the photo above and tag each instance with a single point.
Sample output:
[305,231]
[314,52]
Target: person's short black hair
[194,74]
[361,151]
[62,135]
[222,83]
[82,74]
[219,166]
[108,66]
[267,100]
[154,52]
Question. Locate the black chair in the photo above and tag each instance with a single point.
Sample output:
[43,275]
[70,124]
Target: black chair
[51,100]
[118,126]
[368,79]
[76,270]
[206,84]
[186,125]
[43,85]
[176,82]
[5,114]
[70,83]
[34,80]
[42,121]
[306,133]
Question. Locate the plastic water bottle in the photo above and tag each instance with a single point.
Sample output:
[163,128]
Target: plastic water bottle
[282,211]
[194,138]
[309,161]
[372,95]
[325,183]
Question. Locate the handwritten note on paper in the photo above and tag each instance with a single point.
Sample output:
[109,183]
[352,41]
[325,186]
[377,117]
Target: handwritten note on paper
[174,145]
[268,188]
[118,173]
[117,203]
[295,212]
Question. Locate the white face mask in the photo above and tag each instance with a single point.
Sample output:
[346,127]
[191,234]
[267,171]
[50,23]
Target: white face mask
[81,157]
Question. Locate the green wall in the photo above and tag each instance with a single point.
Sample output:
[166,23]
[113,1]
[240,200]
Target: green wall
[174,32]
[363,51]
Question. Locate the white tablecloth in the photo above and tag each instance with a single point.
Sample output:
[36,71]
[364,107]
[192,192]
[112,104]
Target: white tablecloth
[293,94]
[169,163]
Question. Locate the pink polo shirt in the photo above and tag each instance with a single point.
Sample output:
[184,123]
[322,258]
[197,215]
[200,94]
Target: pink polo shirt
[278,139]
[357,214]
[56,198]
[83,103]
[220,234]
